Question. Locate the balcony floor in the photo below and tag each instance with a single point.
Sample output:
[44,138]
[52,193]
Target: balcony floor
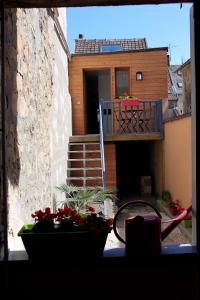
[115,138]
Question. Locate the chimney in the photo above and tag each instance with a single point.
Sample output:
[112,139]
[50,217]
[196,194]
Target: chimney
[80,36]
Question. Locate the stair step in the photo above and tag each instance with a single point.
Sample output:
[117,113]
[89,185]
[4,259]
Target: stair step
[91,187]
[86,151]
[86,169]
[83,178]
[84,159]
[76,144]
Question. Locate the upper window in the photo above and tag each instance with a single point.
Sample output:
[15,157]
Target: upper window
[111,48]
[122,81]
[180,85]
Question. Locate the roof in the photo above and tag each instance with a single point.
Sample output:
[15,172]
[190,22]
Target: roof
[184,64]
[84,46]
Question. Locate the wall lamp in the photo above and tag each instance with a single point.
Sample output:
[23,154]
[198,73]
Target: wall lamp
[139,76]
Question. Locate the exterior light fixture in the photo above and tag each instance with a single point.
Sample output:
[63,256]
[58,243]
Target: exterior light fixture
[139,76]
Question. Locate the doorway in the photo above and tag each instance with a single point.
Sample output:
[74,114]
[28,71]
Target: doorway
[97,86]
[133,163]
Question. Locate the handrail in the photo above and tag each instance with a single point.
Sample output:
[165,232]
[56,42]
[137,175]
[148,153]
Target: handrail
[101,136]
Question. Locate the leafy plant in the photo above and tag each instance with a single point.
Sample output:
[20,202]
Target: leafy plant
[79,198]
[166,197]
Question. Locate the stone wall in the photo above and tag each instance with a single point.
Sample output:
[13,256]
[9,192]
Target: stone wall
[38,114]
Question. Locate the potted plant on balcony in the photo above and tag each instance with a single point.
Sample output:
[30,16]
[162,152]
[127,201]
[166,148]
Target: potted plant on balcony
[76,229]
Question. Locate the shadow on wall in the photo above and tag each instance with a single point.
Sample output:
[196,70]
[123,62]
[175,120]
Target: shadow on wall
[11,96]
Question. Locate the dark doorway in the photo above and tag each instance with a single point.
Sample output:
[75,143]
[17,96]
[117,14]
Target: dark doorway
[133,160]
[97,86]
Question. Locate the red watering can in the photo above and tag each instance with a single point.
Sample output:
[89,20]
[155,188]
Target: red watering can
[143,234]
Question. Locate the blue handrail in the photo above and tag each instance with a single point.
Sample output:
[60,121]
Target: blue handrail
[101,136]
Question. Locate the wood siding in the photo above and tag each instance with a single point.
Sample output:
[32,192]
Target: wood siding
[152,63]
[110,162]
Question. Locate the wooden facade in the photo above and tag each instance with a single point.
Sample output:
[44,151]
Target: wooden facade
[151,62]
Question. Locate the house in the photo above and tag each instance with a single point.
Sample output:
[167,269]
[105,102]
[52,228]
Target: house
[179,89]
[175,89]
[185,68]
[105,69]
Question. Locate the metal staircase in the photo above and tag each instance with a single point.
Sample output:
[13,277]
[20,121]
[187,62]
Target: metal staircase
[85,165]
[86,161]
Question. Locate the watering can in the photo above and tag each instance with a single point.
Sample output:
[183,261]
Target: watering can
[143,234]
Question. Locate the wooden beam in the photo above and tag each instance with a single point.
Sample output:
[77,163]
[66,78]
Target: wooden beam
[115,138]
[80,3]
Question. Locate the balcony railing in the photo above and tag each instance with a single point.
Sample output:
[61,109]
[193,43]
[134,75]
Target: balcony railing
[129,117]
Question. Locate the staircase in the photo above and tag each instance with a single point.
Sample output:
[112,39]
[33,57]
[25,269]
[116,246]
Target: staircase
[85,165]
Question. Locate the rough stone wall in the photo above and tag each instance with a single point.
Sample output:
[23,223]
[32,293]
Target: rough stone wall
[38,106]
[61,123]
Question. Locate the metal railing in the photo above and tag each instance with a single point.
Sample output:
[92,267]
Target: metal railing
[144,118]
[101,137]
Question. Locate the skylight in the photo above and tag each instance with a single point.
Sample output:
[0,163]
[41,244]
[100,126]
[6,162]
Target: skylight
[111,48]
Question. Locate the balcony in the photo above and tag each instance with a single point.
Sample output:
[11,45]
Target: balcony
[132,119]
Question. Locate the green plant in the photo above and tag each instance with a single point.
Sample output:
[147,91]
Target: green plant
[79,198]
[166,197]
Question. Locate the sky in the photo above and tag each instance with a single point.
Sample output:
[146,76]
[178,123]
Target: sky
[162,26]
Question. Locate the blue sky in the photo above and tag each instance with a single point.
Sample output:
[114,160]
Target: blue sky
[162,25]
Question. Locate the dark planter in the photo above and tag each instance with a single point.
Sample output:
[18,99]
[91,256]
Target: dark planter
[62,245]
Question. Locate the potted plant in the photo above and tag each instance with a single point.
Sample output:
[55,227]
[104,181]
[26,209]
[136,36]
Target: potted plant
[74,230]
[175,207]
[187,221]
[166,198]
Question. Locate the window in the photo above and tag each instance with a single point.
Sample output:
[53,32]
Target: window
[111,48]
[180,85]
[127,73]
[172,103]
[179,72]
[122,81]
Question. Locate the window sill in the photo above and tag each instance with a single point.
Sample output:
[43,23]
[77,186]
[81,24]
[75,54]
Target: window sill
[167,251]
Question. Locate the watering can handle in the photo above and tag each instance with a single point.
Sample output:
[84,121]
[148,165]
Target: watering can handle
[125,205]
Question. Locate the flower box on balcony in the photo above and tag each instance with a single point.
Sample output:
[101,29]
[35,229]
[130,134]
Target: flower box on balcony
[130,102]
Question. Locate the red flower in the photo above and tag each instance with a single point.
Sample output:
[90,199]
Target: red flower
[109,222]
[69,219]
[90,209]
